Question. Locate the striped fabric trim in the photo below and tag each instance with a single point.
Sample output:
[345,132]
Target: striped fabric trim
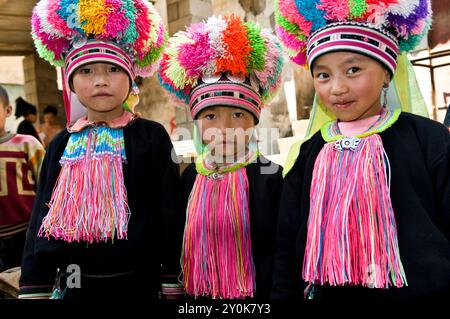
[351,30]
[103,57]
[35,292]
[35,296]
[172,289]
[98,51]
[225,87]
[330,131]
[225,93]
[8,230]
[363,48]
[94,45]
[355,37]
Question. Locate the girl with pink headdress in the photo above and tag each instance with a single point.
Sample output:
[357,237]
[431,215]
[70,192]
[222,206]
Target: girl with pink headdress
[226,71]
[108,192]
[365,208]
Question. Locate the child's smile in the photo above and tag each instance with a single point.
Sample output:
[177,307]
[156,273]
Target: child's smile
[349,84]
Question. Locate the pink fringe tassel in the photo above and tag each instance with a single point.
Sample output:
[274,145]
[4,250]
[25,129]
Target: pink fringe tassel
[352,234]
[89,202]
[217,253]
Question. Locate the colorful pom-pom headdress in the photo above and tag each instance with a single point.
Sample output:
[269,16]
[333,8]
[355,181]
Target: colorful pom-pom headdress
[377,28]
[71,33]
[381,29]
[223,61]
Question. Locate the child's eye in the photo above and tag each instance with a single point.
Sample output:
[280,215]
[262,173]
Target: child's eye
[114,69]
[238,115]
[353,70]
[322,75]
[210,116]
[84,70]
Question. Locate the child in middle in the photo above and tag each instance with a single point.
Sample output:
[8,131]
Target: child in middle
[226,70]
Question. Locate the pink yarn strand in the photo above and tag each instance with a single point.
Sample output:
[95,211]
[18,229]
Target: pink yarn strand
[352,234]
[217,253]
[89,201]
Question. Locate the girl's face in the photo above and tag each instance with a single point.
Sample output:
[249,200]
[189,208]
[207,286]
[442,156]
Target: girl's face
[102,88]
[226,130]
[349,84]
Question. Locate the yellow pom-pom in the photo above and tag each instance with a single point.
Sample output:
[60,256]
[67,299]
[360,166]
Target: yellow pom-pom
[93,15]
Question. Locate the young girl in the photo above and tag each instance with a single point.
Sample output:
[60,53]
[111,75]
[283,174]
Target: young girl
[226,70]
[107,196]
[365,209]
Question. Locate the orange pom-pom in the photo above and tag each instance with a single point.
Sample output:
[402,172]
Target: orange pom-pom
[237,47]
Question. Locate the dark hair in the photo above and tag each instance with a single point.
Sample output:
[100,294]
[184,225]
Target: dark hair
[23,108]
[50,109]
[4,96]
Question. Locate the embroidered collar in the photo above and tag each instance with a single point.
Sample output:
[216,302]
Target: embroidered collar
[118,122]
[206,165]
[89,202]
[330,131]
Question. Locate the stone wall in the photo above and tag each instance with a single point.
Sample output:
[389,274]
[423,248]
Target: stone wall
[304,89]
[40,83]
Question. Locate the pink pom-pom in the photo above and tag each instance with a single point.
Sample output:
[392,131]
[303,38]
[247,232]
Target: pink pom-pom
[56,45]
[289,40]
[161,32]
[143,28]
[116,23]
[336,10]
[271,61]
[59,24]
[300,58]
[418,29]
[194,56]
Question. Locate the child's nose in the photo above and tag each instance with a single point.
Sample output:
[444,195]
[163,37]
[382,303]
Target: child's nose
[338,87]
[224,124]
[101,79]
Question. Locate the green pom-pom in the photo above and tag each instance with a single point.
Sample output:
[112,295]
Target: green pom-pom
[47,54]
[259,49]
[285,24]
[154,54]
[357,8]
[411,43]
[150,58]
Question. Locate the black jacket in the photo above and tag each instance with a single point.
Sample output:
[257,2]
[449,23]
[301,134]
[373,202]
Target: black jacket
[265,183]
[419,153]
[154,231]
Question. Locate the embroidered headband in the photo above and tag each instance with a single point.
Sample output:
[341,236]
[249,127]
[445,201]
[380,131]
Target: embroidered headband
[380,29]
[71,33]
[223,61]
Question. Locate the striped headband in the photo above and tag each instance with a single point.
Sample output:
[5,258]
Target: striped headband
[94,51]
[355,37]
[226,90]
[97,51]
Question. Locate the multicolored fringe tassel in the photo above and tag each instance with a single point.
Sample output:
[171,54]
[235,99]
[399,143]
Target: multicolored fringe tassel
[217,252]
[352,234]
[89,201]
